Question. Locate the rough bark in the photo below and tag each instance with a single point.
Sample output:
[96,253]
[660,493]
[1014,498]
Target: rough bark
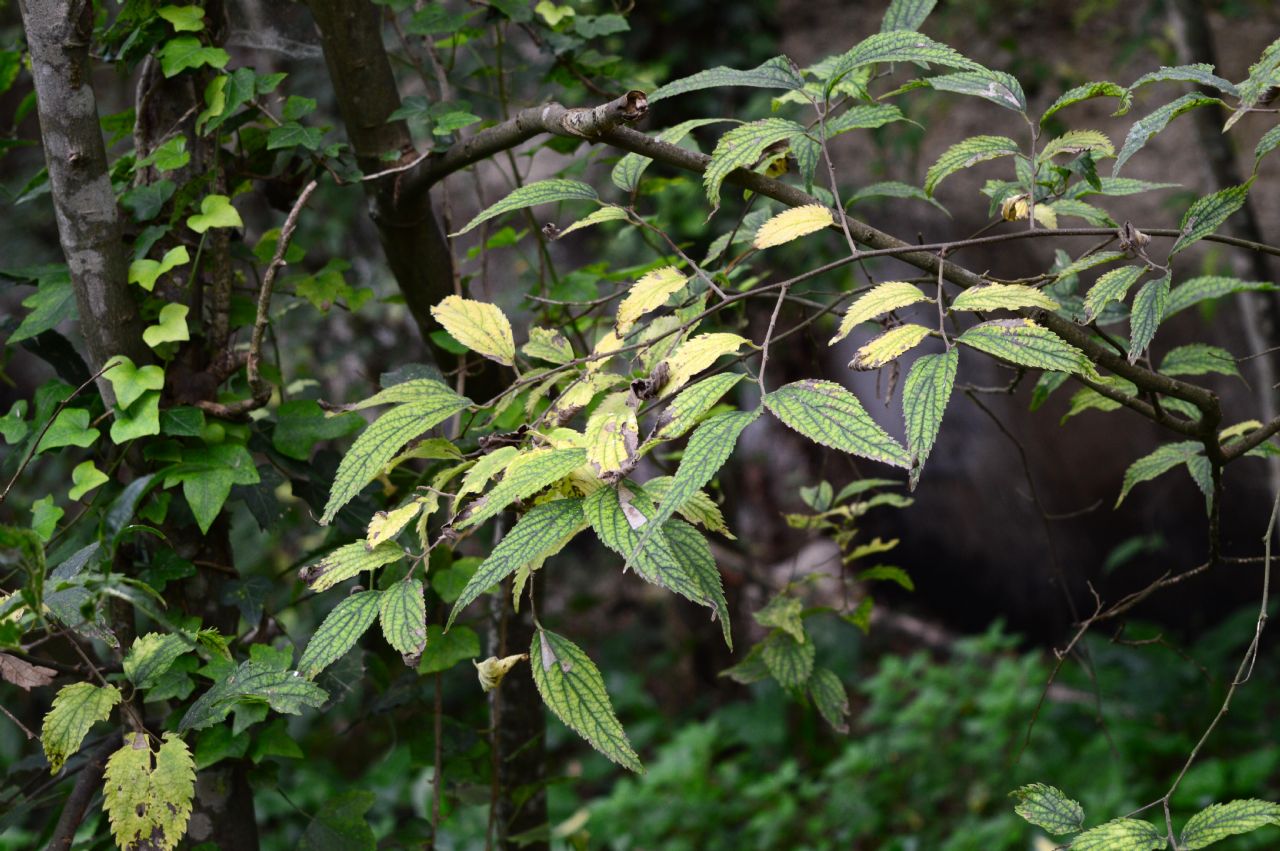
[58,34]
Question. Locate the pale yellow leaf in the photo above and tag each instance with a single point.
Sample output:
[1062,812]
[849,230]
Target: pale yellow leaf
[697,354]
[478,325]
[793,224]
[649,293]
[612,438]
[607,213]
[888,296]
[548,345]
[888,346]
[1002,297]
[385,525]
[608,344]
[580,393]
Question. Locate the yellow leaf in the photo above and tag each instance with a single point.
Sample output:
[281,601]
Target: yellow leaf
[888,346]
[879,300]
[478,325]
[580,393]
[793,224]
[607,213]
[697,354]
[649,293]
[612,438]
[492,670]
[608,343]
[385,525]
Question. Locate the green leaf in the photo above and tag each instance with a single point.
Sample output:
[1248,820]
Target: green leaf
[152,655]
[170,327]
[995,86]
[1075,142]
[1262,76]
[1112,286]
[879,300]
[1207,214]
[1002,297]
[1208,287]
[215,212]
[626,174]
[530,195]
[863,117]
[446,649]
[537,536]
[790,662]
[887,573]
[345,562]
[301,424]
[1088,261]
[889,346]
[149,805]
[1218,821]
[130,382]
[183,18]
[1080,210]
[572,688]
[1116,186]
[339,632]
[291,134]
[430,404]
[53,302]
[970,152]
[701,509]
[145,272]
[283,690]
[1023,342]
[1048,808]
[892,189]
[525,476]
[1122,834]
[1200,73]
[896,46]
[75,709]
[84,478]
[741,147]
[69,428]
[186,51]
[906,14]
[828,414]
[340,825]
[548,345]
[924,400]
[1147,314]
[1199,359]
[1143,131]
[1085,92]
[45,516]
[693,402]
[607,213]
[141,420]
[1157,463]
[1268,143]
[831,699]
[784,613]
[776,73]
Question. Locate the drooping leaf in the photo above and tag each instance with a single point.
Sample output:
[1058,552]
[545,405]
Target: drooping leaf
[906,14]
[339,632]
[76,708]
[1207,214]
[1083,93]
[1157,463]
[790,662]
[1199,359]
[480,326]
[1023,342]
[1122,834]
[345,562]
[828,414]
[792,224]
[1048,808]
[995,86]
[888,346]
[1147,314]
[1208,287]
[402,614]
[525,476]
[831,699]
[1143,131]
[533,194]
[691,403]
[881,299]
[698,353]
[1111,287]
[1218,821]
[775,73]
[1002,297]
[572,688]
[152,655]
[148,797]
[626,174]
[1199,73]
[647,294]
[693,553]
[924,400]
[741,147]
[970,152]
[1075,142]
[283,690]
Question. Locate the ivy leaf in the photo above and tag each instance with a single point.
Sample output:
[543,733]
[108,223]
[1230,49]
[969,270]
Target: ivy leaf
[828,414]
[301,424]
[793,224]
[1144,130]
[84,478]
[183,18]
[626,174]
[1048,808]
[879,300]
[1207,214]
[784,613]
[831,699]
[339,632]
[149,805]
[896,46]
[527,475]
[402,614]
[692,403]
[170,327]
[1208,287]
[790,662]
[142,419]
[1122,834]
[572,688]
[538,535]
[152,655]
[478,325]
[888,346]
[1218,821]
[186,51]
[776,73]
[1002,297]
[145,272]
[1198,359]
[1081,93]
[75,709]
[1023,342]
[446,649]
[345,562]
[906,14]
[741,147]
[207,475]
[53,302]
[612,435]
[1148,312]
[69,428]
[215,212]
[698,353]
[533,194]
[284,691]
[340,825]
[924,400]
[969,152]
[1113,286]
[649,293]
[130,382]
[1157,463]
[45,515]
[291,134]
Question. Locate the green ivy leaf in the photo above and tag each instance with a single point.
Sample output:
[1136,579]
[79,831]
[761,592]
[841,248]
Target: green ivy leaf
[1148,312]
[141,420]
[626,174]
[970,152]
[149,805]
[1112,286]
[572,688]
[152,655]
[1157,463]
[1023,342]
[170,156]
[831,699]
[69,428]
[1144,130]
[775,73]
[170,327]
[345,562]
[45,515]
[1048,808]
[446,649]
[54,301]
[740,148]
[524,477]
[1207,214]
[283,690]
[1218,821]
[826,413]
[339,631]
[131,382]
[924,400]
[186,51]
[75,709]
[340,825]
[207,474]
[183,18]
[215,212]
[84,478]
[301,424]
[291,134]
[533,194]
[790,662]
[402,614]
[1122,834]
[1208,287]
[1198,359]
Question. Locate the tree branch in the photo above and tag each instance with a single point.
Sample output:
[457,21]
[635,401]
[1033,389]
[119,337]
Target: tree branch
[87,785]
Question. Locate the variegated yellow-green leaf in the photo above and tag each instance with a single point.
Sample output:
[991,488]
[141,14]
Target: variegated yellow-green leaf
[486,468]
[888,346]
[147,797]
[1122,834]
[572,688]
[402,614]
[790,662]
[626,174]
[700,509]
[878,301]
[530,195]
[827,413]
[153,654]
[537,536]
[491,671]
[545,344]
[1207,214]
[613,437]
[962,155]
[1083,93]
[605,346]
[339,632]
[1147,314]
[480,326]
[386,525]
[1158,463]
[526,475]
[1047,808]
[693,553]
[621,518]
[924,400]
[75,709]
[581,391]
[1088,261]
[283,690]
[783,612]
[1002,297]
[345,562]
[1208,287]
[741,147]
[698,353]
[1023,342]
[1142,131]
[1077,141]
[1198,359]
[1218,821]
[690,404]
[607,213]
[1112,286]
[831,699]
[793,224]
[649,293]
